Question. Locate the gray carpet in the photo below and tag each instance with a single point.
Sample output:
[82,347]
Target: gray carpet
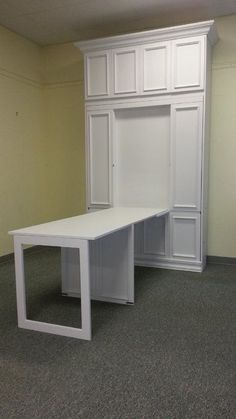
[171,355]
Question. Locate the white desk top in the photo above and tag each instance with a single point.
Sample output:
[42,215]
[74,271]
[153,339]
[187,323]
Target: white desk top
[93,225]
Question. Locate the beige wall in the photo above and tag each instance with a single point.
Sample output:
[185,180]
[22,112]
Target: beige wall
[42,155]
[41,135]
[22,136]
[64,107]
[222,169]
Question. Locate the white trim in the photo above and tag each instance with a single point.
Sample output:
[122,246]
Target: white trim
[192,29]
[148,101]
[169,264]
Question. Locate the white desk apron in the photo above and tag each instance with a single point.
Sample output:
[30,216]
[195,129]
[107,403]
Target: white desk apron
[75,232]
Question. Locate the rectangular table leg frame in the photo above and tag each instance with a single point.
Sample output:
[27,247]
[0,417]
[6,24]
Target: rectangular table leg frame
[80,333]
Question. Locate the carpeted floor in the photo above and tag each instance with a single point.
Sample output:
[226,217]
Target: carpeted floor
[171,355]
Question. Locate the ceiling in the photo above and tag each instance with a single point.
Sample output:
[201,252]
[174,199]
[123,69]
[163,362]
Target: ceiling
[57,21]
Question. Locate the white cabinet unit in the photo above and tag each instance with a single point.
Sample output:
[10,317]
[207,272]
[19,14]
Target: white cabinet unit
[146,136]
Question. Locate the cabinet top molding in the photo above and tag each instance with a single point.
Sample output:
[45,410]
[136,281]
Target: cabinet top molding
[193,29]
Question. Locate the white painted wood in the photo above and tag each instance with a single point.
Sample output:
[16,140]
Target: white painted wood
[20,282]
[186,155]
[138,239]
[70,270]
[81,333]
[185,236]
[155,64]
[86,227]
[165,263]
[97,74]
[170,69]
[188,63]
[111,268]
[99,159]
[141,163]
[116,267]
[144,101]
[174,32]
[156,236]
[85,289]
[125,71]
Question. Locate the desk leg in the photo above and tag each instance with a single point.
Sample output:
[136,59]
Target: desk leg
[23,322]
[20,282]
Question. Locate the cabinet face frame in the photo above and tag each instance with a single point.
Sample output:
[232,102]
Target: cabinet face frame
[115,74]
[196,239]
[166,47]
[188,206]
[197,84]
[91,203]
[88,57]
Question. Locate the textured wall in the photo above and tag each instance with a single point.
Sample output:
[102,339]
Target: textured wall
[41,135]
[222,169]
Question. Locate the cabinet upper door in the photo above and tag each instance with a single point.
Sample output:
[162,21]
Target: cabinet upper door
[99,159]
[155,62]
[97,74]
[125,71]
[188,63]
[186,148]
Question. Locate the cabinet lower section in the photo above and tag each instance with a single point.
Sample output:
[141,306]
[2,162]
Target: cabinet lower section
[172,241]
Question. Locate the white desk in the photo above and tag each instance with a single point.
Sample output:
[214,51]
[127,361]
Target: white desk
[77,232]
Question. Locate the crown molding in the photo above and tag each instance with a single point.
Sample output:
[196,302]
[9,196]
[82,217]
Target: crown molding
[193,29]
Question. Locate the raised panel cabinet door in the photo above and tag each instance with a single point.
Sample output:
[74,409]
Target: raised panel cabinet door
[188,63]
[155,236]
[185,236]
[125,71]
[97,67]
[99,159]
[155,68]
[186,150]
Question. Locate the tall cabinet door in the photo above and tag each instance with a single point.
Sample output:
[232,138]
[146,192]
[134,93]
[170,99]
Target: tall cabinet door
[186,149]
[99,156]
